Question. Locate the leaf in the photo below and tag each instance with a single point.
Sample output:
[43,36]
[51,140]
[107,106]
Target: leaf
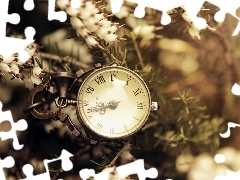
[38,62]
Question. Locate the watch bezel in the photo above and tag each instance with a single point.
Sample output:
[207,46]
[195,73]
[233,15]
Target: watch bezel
[81,117]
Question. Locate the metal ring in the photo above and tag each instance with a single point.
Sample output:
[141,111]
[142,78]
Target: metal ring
[33,106]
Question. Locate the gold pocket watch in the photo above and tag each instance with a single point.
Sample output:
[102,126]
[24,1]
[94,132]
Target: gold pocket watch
[112,104]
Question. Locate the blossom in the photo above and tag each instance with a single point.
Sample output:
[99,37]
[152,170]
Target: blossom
[126,156]
[184,162]
[62,4]
[146,31]
[193,28]
[76,22]
[8,60]
[37,71]
[4,67]
[36,79]
[194,33]
[32,49]
[113,174]
[14,68]
[89,22]
[110,37]
[91,41]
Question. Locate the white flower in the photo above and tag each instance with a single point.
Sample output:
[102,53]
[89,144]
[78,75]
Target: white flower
[147,32]
[32,49]
[28,83]
[84,14]
[124,12]
[105,23]
[186,17]
[184,162]
[10,59]
[126,156]
[14,68]
[76,22]
[62,4]
[229,153]
[82,32]
[203,168]
[193,29]
[72,11]
[4,67]
[90,24]
[143,30]
[90,7]
[101,32]
[37,71]
[35,79]
[110,37]
[98,17]
[91,41]
[194,33]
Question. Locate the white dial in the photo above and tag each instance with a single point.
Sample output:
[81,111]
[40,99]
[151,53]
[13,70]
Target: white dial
[113,102]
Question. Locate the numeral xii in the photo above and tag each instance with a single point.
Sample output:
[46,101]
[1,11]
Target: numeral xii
[100,80]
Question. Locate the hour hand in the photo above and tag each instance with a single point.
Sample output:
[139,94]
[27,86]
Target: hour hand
[113,104]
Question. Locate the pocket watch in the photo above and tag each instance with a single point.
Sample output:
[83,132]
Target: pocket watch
[113,102]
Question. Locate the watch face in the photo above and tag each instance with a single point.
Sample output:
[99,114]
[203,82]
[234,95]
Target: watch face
[113,102]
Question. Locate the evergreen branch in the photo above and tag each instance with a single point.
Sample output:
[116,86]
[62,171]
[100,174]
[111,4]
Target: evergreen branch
[139,55]
[67,59]
[110,55]
[111,164]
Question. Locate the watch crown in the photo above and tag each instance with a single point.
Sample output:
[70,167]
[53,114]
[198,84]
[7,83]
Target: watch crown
[155,106]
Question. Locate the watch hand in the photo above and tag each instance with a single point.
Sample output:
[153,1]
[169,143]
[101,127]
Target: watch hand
[113,104]
[101,107]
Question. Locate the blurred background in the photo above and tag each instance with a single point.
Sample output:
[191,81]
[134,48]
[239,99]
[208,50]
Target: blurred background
[189,72]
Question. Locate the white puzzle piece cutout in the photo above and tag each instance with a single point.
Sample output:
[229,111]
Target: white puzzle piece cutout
[7,162]
[66,164]
[192,8]
[20,125]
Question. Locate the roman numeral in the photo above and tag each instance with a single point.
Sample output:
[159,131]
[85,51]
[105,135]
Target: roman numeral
[113,76]
[100,80]
[125,127]
[140,105]
[89,117]
[111,130]
[85,103]
[137,92]
[99,126]
[136,119]
[89,89]
[89,110]
[128,79]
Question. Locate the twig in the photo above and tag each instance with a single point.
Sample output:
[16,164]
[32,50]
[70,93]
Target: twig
[139,55]
[110,55]
[117,156]
[153,123]
[55,177]
[67,59]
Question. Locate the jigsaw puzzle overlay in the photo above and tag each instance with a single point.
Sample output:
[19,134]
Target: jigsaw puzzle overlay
[192,8]
[7,49]
[20,125]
